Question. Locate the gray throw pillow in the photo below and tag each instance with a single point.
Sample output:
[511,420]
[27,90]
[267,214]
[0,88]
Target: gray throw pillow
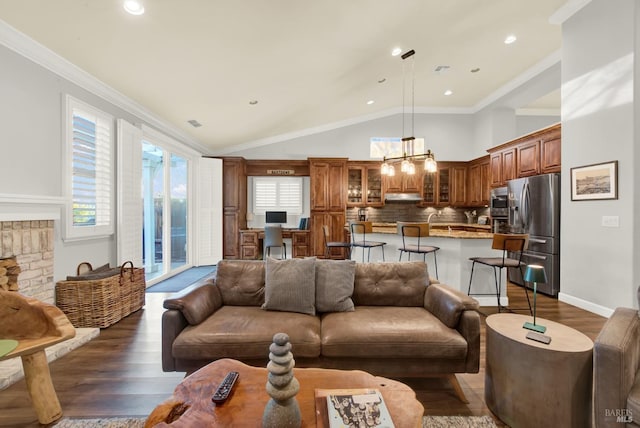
[334,285]
[290,285]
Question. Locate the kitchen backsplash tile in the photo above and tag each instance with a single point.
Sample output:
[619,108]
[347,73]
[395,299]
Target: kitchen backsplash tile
[403,211]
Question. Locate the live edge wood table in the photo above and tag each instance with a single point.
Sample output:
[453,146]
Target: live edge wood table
[191,405]
[531,384]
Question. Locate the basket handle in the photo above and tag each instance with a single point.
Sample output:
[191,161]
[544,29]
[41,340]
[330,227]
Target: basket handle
[83,264]
[123,267]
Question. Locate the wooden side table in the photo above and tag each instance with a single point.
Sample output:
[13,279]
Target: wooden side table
[191,404]
[530,384]
[26,313]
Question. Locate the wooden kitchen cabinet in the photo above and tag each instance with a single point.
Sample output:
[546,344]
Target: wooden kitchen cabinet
[478,182]
[458,186]
[329,188]
[528,158]
[445,187]
[403,183]
[364,184]
[531,154]
[336,222]
[234,205]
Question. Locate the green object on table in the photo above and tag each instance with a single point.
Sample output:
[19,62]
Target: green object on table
[7,345]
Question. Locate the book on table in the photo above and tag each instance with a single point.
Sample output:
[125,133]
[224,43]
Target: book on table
[346,408]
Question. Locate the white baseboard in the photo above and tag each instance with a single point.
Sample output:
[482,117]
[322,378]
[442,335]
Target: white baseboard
[586,305]
[491,300]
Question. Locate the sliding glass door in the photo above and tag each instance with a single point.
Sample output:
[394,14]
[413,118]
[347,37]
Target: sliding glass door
[165,211]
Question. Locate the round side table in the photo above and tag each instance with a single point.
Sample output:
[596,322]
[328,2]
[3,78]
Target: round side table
[532,384]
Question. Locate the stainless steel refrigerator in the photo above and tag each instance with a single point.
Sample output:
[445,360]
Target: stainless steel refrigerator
[534,208]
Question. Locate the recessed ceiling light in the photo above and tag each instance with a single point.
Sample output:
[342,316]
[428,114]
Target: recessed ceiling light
[253,102]
[134,7]
[370,102]
[475,70]
[384,79]
[194,123]
[448,92]
[510,39]
[396,51]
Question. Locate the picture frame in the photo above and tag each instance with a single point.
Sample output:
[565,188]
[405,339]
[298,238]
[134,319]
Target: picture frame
[595,182]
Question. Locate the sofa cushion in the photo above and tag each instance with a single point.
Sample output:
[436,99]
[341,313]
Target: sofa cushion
[390,284]
[334,285]
[290,285]
[246,332]
[389,332]
[241,282]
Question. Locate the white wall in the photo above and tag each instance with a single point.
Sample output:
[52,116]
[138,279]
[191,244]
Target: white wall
[449,136]
[599,79]
[31,117]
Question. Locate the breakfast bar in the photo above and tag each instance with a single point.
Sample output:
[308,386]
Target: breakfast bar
[457,242]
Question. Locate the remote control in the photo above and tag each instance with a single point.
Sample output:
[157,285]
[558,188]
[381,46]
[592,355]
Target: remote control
[225,387]
[539,337]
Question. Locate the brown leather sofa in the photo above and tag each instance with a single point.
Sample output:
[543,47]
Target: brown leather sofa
[616,364]
[403,325]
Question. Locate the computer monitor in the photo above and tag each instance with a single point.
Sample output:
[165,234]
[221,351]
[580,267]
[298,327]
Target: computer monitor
[276,217]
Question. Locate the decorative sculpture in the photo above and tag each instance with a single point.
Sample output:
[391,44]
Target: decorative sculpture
[282,410]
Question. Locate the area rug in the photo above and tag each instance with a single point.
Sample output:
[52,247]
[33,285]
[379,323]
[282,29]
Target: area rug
[427,422]
[182,280]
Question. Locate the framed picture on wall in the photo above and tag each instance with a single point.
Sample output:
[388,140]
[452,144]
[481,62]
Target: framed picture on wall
[592,182]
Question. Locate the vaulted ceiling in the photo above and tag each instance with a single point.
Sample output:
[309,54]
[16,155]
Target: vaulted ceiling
[306,63]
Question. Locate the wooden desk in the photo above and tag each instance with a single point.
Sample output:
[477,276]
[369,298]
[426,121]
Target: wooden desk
[530,384]
[249,397]
[251,243]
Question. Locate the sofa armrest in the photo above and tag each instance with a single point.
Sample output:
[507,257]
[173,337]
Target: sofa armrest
[469,328]
[448,304]
[198,304]
[173,322]
[615,363]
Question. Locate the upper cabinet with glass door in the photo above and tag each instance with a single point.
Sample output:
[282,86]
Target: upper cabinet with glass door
[364,184]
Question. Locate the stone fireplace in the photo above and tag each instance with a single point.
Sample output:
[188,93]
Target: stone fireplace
[31,243]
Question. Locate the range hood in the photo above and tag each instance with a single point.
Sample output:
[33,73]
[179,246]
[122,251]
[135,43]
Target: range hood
[403,197]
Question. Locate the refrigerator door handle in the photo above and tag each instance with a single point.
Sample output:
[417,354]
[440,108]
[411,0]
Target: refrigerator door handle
[526,207]
[538,241]
[535,256]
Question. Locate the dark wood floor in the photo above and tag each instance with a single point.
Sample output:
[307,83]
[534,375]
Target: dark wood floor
[119,373]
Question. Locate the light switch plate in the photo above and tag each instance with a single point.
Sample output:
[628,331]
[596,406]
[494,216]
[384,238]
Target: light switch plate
[610,221]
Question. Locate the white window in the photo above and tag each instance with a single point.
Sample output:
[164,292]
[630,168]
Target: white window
[89,172]
[277,193]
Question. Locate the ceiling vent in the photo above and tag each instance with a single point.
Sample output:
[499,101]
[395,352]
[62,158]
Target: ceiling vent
[194,123]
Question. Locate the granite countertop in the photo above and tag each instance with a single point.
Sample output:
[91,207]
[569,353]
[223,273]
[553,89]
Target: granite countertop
[441,230]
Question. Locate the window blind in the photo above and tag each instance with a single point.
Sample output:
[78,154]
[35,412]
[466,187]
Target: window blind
[277,193]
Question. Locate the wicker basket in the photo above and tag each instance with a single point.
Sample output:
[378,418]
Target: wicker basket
[98,301]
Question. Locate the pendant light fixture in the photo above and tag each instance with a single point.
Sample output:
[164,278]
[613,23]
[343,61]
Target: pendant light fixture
[407,165]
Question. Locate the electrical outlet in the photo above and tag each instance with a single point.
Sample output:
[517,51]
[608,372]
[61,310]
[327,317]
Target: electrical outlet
[610,221]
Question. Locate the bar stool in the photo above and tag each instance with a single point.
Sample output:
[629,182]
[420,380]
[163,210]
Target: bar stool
[273,238]
[333,244]
[420,231]
[362,228]
[508,243]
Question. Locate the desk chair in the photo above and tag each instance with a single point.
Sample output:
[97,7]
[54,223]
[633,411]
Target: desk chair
[273,238]
[420,231]
[508,243]
[362,228]
[333,244]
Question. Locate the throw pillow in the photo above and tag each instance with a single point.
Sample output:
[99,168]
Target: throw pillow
[334,285]
[290,285]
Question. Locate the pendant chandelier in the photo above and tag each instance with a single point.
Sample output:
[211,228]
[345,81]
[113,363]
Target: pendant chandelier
[408,157]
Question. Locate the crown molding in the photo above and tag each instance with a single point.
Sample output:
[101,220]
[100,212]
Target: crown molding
[43,56]
[567,11]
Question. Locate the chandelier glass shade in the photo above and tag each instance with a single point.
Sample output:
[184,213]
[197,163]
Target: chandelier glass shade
[408,157]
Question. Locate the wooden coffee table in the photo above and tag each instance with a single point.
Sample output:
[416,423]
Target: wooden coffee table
[191,400]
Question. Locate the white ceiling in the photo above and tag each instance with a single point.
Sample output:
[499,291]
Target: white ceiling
[307,63]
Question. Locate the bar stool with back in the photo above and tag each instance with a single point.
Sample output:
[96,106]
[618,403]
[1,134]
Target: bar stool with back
[418,246]
[508,243]
[328,245]
[362,228]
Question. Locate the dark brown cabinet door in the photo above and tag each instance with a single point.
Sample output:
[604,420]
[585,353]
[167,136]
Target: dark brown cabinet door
[550,156]
[319,172]
[509,165]
[458,186]
[234,200]
[495,166]
[529,159]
